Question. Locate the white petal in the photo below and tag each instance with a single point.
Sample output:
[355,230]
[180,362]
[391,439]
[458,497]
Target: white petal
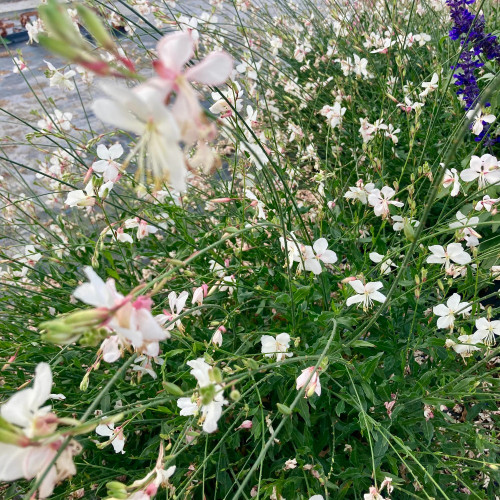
[175,50]
[213,70]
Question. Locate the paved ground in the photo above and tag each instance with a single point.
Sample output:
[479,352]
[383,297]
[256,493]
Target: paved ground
[9,6]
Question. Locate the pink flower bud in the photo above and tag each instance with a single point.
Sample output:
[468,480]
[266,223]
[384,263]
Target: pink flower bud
[348,279]
[246,424]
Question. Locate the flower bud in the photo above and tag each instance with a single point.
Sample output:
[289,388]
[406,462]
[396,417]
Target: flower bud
[215,375]
[84,384]
[284,409]
[246,424]
[69,328]
[173,389]
[235,395]
[96,28]
[117,490]
[408,230]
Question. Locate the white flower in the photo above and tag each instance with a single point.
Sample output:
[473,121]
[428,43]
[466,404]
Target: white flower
[381,199]
[430,86]
[391,133]
[486,330]
[25,459]
[333,114]
[467,347]
[467,233]
[19,65]
[143,228]
[111,349]
[217,336]
[97,293]
[132,321]
[360,192]
[399,222]
[366,293]
[233,99]
[314,385]
[61,80]
[34,29]
[410,106]
[447,312]
[278,346]
[319,251]
[30,257]
[360,67]
[79,198]
[116,435]
[25,408]
[454,253]
[256,202]
[212,410]
[291,464]
[487,203]
[479,115]
[451,178]
[385,268]
[174,52]
[143,112]
[58,119]
[366,130]
[106,165]
[485,169]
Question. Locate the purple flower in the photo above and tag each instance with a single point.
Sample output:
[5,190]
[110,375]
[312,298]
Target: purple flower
[470,30]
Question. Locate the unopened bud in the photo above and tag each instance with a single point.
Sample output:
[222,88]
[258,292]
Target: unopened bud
[84,384]
[235,395]
[284,409]
[408,230]
[117,490]
[173,389]
[215,375]
[96,28]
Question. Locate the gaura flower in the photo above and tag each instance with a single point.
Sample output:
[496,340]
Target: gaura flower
[278,346]
[387,264]
[486,330]
[131,320]
[467,345]
[451,178]
[143,228]
[365,293]
[313,386]
[116,435]
[485,169]
[430,86]
[318,252]
[454,253]
[106,165]
[142,111]
[334,114]
[174,51]
[448,312]
[380,199]
[487,203]
[29,418]
[467,233]
[211,400]
[360,191]
[479,115]
[61,80]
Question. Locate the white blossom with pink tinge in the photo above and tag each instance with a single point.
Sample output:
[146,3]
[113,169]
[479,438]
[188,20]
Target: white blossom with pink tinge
[314,384]
[174,52]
